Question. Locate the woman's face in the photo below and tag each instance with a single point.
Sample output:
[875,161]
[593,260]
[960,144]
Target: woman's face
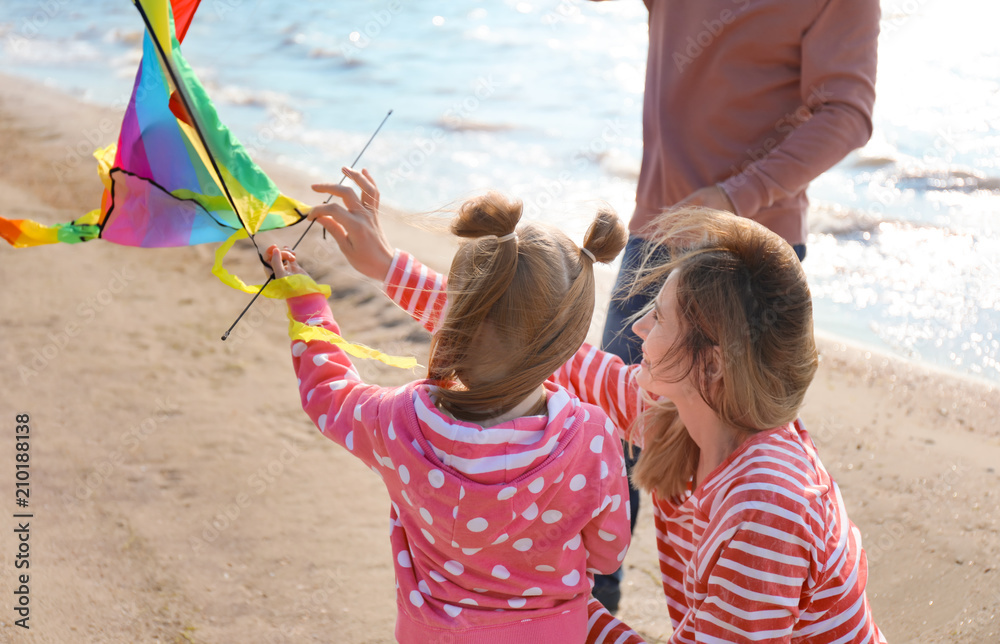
[659,330]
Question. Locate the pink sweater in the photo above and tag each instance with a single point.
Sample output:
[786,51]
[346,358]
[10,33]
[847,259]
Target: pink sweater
[495,532]
[761,95]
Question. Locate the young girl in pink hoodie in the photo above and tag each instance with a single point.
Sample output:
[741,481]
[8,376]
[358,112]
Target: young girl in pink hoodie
[507,492]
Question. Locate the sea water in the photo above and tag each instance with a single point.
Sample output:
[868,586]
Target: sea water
[542,99]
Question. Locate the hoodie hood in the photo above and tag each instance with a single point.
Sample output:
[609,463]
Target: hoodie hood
[473,478]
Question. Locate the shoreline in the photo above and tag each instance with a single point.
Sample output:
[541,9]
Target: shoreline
[299,187]
[151,434]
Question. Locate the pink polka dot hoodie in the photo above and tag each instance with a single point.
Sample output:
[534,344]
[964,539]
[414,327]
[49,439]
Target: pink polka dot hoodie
[496,533]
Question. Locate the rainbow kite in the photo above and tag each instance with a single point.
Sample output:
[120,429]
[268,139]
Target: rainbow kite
[178,177]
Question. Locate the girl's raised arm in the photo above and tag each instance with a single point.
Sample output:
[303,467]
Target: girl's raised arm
[343,408]
[603,379]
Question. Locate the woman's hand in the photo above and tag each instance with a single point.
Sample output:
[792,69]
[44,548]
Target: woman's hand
[355,225]
[283,262]
[709,197]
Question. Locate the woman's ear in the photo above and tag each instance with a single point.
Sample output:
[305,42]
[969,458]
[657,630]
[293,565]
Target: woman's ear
[714,366]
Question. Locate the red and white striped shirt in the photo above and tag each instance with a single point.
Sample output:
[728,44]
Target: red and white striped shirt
[762,551]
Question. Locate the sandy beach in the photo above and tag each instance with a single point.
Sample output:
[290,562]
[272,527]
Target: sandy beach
[180,494]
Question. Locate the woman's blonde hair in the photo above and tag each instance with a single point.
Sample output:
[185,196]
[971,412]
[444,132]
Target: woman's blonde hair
[740,288]
[519,306]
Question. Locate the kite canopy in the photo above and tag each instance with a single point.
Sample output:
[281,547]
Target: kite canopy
[177,176]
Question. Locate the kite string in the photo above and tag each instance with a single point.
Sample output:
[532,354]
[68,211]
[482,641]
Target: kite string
[260,255]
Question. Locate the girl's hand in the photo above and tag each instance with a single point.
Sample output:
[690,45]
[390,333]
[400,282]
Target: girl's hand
[283,262]
[355,225]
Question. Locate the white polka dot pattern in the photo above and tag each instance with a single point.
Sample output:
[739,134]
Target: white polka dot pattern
[523,545]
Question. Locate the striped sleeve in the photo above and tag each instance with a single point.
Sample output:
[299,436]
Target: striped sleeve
[417,289]
[755,567]
[333,395]
[605,628]
[603,379]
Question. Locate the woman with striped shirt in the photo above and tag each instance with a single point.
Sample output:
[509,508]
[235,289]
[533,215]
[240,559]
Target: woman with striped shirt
[754,541]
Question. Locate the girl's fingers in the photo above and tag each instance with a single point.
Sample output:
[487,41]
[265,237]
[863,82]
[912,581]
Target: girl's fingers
[333,218]
[283,262]
[369,192]
[374,188]
[346,194]
[331,212]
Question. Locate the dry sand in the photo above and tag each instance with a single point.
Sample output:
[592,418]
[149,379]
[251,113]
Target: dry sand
[180,494]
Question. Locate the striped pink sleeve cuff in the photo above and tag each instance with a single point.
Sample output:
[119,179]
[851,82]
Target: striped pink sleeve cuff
[605,628]
[417,289]
[602,379]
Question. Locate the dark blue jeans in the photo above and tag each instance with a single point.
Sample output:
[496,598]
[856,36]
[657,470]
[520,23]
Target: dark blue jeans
[621,341]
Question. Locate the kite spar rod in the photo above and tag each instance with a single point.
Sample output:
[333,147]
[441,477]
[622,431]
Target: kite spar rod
[308,228]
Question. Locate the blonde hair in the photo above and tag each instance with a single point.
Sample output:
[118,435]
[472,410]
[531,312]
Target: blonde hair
[742,289]
[529,298]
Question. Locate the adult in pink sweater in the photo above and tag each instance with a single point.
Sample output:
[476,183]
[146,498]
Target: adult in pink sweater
[503,508]
[746,102]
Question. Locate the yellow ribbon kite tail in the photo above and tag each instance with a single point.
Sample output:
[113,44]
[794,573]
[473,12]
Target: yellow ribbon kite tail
[286,287]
